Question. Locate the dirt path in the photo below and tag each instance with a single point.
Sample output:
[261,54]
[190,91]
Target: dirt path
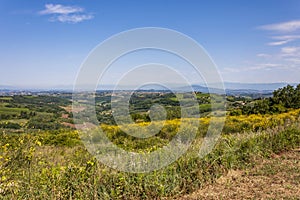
[274,178]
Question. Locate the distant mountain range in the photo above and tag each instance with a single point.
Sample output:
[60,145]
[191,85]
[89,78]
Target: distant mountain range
[255,86]
[231,88]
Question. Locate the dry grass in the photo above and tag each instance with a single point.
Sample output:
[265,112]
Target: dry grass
[275,178]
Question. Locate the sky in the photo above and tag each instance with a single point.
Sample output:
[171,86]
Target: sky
[44,43]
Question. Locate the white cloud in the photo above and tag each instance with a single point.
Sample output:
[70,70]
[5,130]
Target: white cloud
[277,43]
[65,14]
[291,52]
[60,9]
[264,55]
[283,39]
[72,18]
[286,37]
[289,26]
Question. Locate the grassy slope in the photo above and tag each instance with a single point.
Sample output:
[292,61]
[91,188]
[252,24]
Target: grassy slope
[277,177]
[29,170]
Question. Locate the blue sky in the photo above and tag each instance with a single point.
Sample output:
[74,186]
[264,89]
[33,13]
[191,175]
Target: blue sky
[43,43]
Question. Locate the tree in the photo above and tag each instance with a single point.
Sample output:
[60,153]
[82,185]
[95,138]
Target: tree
[287,96]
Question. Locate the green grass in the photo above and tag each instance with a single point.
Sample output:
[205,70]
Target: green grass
[6,110]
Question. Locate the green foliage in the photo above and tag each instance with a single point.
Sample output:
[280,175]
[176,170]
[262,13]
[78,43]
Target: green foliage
[288,96]
[283,99]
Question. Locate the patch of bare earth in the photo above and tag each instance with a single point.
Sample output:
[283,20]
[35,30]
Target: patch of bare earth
[274,178]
